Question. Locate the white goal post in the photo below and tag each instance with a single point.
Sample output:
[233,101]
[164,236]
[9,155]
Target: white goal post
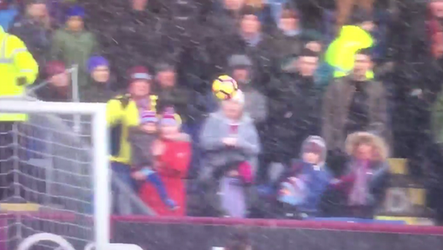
[99,162]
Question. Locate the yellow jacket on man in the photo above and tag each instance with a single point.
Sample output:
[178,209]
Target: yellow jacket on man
[122,113]
[15,63]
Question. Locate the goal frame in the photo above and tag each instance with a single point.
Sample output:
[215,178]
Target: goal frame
[100,144]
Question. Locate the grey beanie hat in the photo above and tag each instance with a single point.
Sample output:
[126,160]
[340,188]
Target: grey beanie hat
[239,61]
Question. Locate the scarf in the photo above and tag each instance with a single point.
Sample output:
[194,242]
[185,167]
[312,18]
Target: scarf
[359,190]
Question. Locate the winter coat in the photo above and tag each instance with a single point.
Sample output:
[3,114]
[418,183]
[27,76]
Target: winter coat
[141,144]
[49,93]
[98,92]
[36,37]
[295,114]
[74,48]
[256,104]
[316,178]
[173,168]
[377,173]
[336,104]
[217,155]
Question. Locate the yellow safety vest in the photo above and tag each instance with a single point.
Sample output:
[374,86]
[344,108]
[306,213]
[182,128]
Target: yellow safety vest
[15,62]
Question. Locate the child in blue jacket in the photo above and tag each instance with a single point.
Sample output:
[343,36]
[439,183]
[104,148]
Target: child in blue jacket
[307,179]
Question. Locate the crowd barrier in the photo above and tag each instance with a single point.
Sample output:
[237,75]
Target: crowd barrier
[208,233]
[196,233]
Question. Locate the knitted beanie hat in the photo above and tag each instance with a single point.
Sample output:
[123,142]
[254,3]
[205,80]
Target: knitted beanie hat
[96,61]
[75,10]
[148,117]
[139,73]
[170,118]
[53,68]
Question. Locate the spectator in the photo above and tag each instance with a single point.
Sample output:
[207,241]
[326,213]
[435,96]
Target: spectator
[35,29]
[59,87]
[73,45]
[306,181]
[172,152]
[295,108]
[101,87]
[226,20]
[231,146]
[123,112]
[17,70]
[249,40]
[169,94]
[8,12]
[135,31]
[345,7]
[291,38]
[255,102]
[354,103]
[368,171]
[352,38]
[142,140]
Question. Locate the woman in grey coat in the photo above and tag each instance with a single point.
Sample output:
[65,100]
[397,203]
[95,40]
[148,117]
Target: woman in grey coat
[231,145]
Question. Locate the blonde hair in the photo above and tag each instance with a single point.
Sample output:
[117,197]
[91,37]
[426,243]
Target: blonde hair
[381,150]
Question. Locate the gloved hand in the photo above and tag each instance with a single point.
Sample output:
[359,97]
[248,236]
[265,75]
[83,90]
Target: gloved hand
[21,81]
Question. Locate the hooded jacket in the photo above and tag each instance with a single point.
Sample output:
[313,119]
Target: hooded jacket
[377,173]
[15,63]
[341,52]
[315,177]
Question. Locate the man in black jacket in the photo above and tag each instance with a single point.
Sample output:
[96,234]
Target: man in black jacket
[295,108]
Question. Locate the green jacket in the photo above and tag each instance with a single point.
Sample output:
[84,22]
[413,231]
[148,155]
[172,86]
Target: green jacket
[340,54]
[74,48]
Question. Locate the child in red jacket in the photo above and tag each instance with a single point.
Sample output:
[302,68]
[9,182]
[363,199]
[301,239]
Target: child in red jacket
[172,153]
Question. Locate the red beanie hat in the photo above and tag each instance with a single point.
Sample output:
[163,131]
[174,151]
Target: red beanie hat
[53,68]
[139,73]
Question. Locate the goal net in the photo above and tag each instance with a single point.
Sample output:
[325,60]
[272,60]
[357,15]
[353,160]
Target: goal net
[52,179]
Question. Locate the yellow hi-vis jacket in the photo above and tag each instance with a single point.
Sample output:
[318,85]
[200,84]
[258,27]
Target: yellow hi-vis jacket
[341,52]
[121,114]
[15,62]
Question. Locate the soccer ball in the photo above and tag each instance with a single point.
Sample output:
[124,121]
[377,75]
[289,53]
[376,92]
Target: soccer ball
[224,87]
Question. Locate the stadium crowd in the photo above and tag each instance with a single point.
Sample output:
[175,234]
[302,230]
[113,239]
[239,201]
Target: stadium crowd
[329,91]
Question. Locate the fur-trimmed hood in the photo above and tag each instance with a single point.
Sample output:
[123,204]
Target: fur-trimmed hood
[379,144]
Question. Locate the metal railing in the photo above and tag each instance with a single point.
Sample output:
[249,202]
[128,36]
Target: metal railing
[75,97]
